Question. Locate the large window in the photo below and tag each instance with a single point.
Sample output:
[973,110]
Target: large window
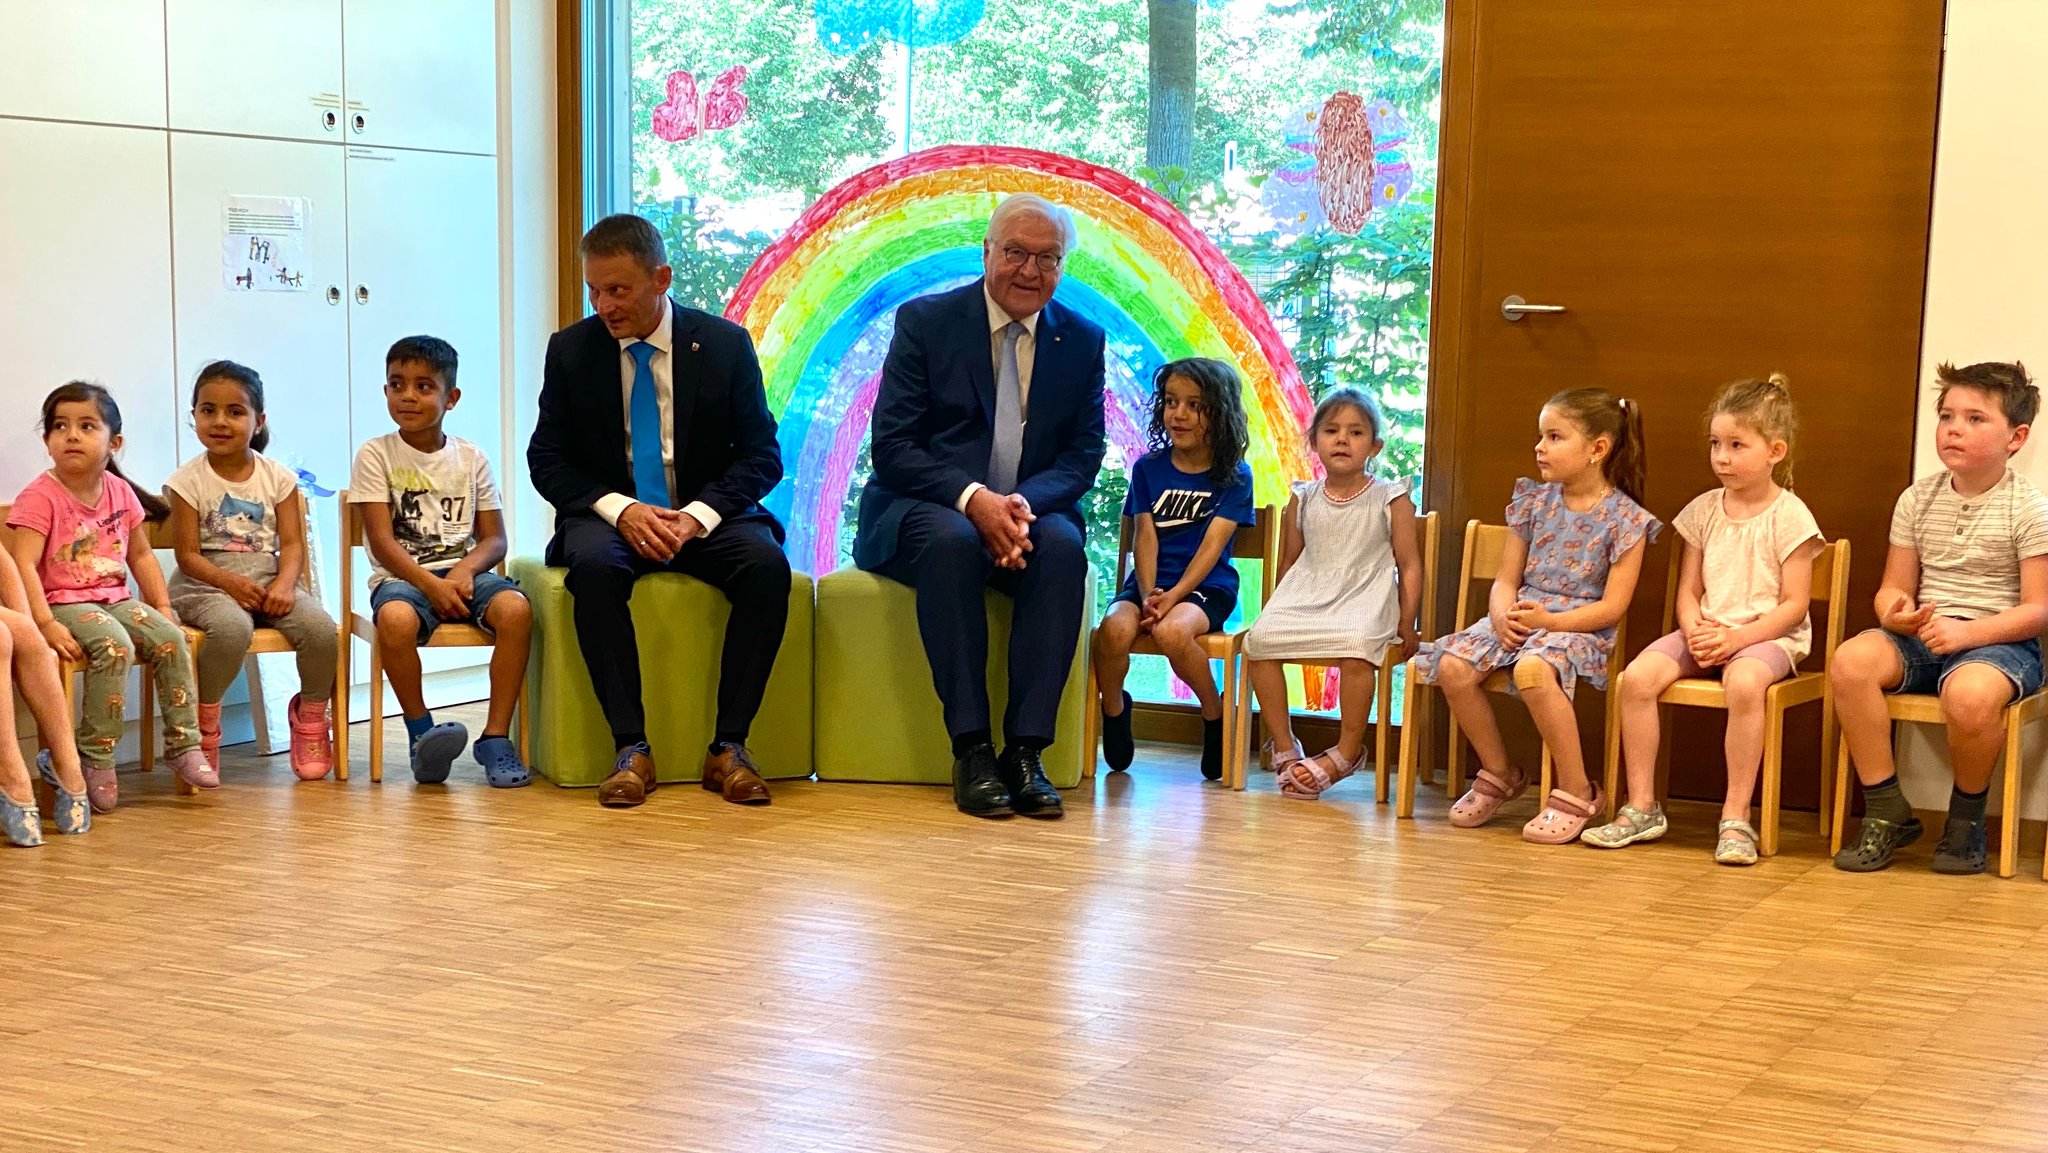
[1255,181]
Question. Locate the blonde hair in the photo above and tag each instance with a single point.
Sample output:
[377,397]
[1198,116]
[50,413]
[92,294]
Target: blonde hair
[1766,406]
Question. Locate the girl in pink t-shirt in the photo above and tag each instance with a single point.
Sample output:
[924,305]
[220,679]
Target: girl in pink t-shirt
[1744,578]
[75,542]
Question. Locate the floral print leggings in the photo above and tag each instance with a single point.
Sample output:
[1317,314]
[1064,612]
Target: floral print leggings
[112,635]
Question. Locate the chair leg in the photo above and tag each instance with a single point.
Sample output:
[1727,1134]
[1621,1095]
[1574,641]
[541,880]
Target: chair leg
[1773,772]
[1611,776]
[1383,698]
[1828,738]
[519,719]
[1454,760]
[2009,804]
[1839,814]
[1411,746]
[1229,718]
[147,729]
[376,687]
[340,703]
[1091,724]
[1237,764]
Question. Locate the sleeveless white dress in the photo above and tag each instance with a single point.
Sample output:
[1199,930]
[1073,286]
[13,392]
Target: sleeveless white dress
[1340,600]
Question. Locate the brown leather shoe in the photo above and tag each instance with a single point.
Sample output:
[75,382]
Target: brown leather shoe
[730,772]
[631,780]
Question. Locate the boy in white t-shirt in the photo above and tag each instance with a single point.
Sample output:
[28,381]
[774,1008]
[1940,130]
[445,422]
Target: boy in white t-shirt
[434,531]
[1963,603]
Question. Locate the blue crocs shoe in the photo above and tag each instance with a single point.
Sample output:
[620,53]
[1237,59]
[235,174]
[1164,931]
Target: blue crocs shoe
[502,766]
[436,750]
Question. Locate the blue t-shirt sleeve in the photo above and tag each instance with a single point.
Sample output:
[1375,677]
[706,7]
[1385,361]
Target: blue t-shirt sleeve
[1234,504]
[1138,498]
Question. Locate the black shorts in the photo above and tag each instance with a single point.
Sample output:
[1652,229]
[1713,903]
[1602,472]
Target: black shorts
[1216,600]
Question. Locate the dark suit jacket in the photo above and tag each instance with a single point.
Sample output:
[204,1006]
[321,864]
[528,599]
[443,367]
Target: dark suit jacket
[725,449]
[935,414]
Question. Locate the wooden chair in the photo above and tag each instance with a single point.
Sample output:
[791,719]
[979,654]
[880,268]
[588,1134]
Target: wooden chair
[1830,585]
[1383,692]
[1925,709]
[267,640]
[68,672]
[447,636]
[1485,545]
[1259,540]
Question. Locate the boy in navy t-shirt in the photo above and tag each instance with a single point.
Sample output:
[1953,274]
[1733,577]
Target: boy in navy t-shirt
[1187,496]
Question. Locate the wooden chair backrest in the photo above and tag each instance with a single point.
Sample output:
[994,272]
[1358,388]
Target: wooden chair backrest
[1430,525]
[1259,540]
[1830,585]
[1485,546]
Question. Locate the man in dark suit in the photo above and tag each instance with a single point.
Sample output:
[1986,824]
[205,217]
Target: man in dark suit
[655,445]
[987,431]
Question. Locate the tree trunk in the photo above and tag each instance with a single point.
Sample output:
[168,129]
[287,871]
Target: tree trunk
[1170,84]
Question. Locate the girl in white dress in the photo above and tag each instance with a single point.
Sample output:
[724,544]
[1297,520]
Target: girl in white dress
[1346,538]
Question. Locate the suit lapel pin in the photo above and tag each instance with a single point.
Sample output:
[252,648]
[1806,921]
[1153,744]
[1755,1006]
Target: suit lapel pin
[694,346]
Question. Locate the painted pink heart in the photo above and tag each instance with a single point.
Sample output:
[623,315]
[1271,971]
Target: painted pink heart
[677,118]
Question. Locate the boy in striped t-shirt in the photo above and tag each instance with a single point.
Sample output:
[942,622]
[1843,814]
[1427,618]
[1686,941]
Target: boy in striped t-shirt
[1963,604]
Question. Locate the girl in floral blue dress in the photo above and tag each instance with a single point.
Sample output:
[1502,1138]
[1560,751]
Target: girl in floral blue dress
[1566,578]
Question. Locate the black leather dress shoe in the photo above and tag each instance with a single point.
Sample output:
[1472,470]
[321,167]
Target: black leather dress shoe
[1031,795]
[977,784]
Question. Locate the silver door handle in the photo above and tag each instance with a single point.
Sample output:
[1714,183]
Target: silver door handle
[1515,308]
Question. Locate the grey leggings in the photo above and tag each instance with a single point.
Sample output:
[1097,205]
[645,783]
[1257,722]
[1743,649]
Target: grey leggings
[228,627]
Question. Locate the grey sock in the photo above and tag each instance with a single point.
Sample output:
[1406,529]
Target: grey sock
[1969,807]
[1886,802]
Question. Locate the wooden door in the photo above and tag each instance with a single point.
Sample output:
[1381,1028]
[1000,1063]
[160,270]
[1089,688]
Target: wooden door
[1711,191]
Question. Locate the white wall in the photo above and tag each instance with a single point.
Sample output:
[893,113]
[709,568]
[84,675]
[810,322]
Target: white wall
[1987,295]
[527,156]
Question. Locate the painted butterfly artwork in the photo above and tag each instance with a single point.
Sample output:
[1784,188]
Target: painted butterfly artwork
[687,113]
[1351,162]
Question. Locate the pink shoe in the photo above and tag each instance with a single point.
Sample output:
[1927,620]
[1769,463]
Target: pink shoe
[312,740]
[1488,793]
[1563,818]
[193,772]
[102,788]
[209,734]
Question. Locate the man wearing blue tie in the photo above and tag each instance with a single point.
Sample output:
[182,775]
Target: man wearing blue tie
[655,445]
[987,431]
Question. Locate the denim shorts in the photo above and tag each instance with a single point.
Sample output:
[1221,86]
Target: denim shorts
[1926,672]
[486,589]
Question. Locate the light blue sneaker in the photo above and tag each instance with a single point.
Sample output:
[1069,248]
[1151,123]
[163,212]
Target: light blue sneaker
[436,750]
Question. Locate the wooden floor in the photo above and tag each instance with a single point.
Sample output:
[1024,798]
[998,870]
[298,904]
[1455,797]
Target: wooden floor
[857,968]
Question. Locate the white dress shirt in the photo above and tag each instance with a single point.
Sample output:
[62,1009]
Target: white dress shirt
[1027,355]
[661,366]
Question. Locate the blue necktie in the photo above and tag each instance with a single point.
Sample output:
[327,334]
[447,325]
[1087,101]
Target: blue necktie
[650,479]
[1008,449]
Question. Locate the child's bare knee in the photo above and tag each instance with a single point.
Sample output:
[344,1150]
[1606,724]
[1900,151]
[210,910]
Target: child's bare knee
[398,624]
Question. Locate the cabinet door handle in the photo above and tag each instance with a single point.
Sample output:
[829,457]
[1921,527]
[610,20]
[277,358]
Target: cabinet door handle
[330,120]
[334,294]
[362,294]
[359,123]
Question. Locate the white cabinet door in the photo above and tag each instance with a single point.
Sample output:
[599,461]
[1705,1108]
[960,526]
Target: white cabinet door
[423,259]
[101,61]
[86,293]
[296,340]
[256,69]
[423,75]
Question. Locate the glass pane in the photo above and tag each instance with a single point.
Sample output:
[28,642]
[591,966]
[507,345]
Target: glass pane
[1253,180]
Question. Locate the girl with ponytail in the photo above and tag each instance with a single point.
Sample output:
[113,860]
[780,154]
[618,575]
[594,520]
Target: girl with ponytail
[239,525]
[1566,578]
[1744,580]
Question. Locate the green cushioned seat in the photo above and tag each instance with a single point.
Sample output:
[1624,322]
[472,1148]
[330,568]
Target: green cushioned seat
[680,622]
[878,716]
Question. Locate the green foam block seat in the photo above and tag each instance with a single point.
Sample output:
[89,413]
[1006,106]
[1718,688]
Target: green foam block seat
[680,624]
[878,716]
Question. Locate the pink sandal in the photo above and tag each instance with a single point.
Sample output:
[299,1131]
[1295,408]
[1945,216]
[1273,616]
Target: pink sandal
[1277,761]
[1488,793]
[1319,778]
[1563,818]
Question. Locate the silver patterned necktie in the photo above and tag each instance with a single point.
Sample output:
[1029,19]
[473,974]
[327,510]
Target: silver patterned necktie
[1008,449]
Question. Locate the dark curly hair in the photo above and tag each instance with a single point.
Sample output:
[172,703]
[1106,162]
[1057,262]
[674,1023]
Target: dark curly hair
[1222,404]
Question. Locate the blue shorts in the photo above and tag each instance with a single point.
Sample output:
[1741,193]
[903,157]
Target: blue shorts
[1926,672]
[486,589]
[1215,600]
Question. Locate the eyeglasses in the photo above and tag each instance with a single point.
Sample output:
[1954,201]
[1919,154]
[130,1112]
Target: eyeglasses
[1015,258]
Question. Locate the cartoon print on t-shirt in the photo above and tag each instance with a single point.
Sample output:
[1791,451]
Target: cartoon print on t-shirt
[237,524]
[432,528]
[84,553]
